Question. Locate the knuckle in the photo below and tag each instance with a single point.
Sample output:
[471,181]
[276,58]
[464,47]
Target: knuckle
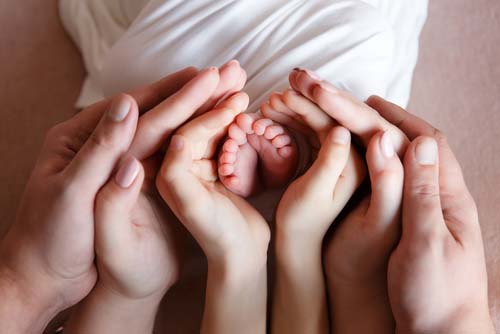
[102,140]
[425,190]
[438,135]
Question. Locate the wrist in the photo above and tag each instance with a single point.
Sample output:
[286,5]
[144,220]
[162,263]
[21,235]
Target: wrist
[24,308]
[472,320]
[106,310]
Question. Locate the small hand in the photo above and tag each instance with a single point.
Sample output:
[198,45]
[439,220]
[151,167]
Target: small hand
[233,235]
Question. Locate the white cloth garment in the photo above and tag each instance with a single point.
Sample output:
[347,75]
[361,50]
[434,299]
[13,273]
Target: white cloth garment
[364,46]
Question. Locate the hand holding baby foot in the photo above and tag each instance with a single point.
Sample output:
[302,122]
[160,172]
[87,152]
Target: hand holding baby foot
[307,209]
[232,234]
[258,154]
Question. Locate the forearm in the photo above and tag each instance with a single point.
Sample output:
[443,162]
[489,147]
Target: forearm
[23,309]
[355,310]
[300,303]
[236,299]
[104,311]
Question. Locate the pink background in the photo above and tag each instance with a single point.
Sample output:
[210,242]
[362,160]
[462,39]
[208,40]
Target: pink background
[456,87]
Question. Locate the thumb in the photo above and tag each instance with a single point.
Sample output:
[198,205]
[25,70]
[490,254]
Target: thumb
[422,213]
[332,158]
[178,185]
[95,161]
[114,203]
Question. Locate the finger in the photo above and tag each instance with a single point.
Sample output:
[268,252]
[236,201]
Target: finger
[387,179]
[455,196]
[350,113]
[410,124]
[331,161]
[156,126]
[231,75]
[114,203]
[95,161]
[422,212]
[205,131]
[311,114]
[146,97]
[178,185]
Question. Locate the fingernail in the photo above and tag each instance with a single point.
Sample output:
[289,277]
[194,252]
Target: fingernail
[341,136]
[213,68]
[426,152]
[177,143]
[312,74]
[119,109]
[127,173]
[386,145]
[234,61]
[328,87]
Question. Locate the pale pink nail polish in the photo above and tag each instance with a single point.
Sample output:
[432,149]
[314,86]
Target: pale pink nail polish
[341,136]
[119,109]
[426,152]
[386,145]
[127,173]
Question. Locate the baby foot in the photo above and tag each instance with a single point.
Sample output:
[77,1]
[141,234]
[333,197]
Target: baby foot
[258,153]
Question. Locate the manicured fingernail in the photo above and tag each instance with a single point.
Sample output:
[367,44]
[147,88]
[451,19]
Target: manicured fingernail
[386,145]
[177,143]
[127,173]
[426,151]
[341,136]
[119,109]
[328,87]
[312,74]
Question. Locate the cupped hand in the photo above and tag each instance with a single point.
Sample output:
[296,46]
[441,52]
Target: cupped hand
[49,251]
[437,274]
[224,224]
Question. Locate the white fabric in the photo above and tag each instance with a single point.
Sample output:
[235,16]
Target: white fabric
[365,46]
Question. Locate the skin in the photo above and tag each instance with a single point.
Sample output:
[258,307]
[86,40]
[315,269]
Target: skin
[232,234]
[37,279]
[428,289]
[306,211]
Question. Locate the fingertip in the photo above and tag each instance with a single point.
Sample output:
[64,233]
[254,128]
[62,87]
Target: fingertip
[128,172]
[340,135]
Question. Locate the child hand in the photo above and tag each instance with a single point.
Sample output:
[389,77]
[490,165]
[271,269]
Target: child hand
[357,255]
[233,235]
[307,209]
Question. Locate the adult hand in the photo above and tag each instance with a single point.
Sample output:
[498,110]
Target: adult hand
[47,255]
[437,274]
[233,235]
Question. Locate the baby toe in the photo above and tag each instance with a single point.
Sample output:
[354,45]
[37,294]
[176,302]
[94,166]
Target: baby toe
[281,141]
[286,152]
[260,126]
[245,122]
[230,146]
[237,134]
[226,169]
[227,158]
[273,131]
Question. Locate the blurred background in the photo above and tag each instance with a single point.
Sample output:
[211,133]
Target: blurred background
[456,87]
